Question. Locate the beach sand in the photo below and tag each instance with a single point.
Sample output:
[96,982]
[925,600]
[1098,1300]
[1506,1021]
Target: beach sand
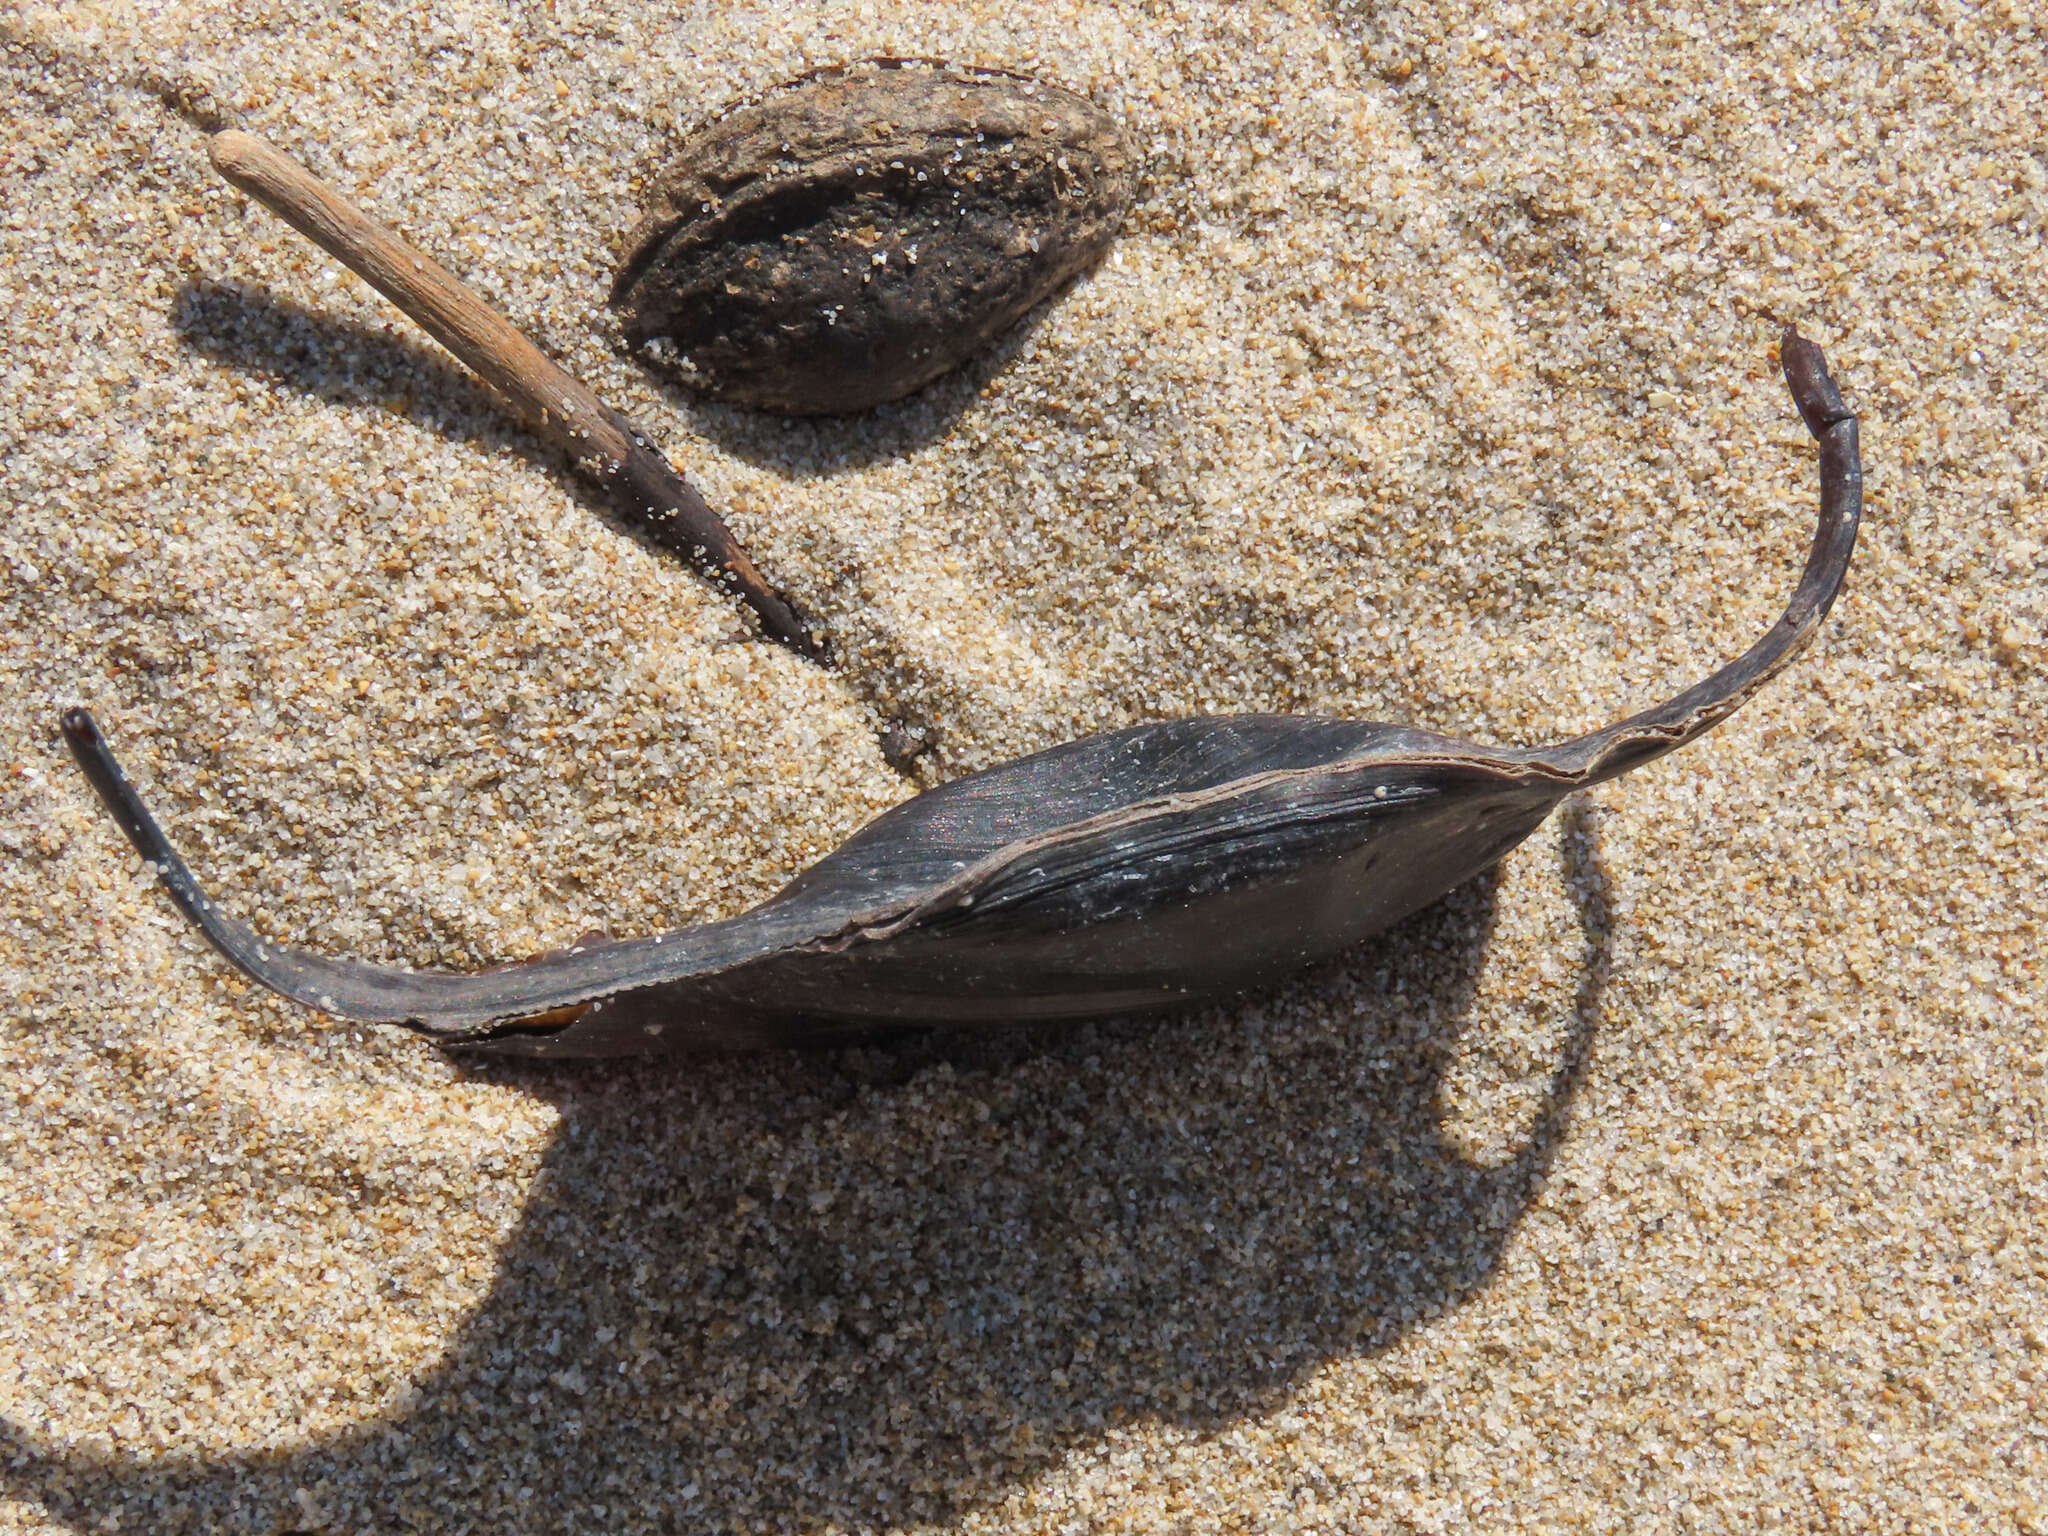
[1685,1176]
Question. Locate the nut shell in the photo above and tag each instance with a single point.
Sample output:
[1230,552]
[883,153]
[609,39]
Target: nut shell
[857,232]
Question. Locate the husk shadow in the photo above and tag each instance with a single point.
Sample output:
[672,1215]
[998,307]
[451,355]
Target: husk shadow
[807,448]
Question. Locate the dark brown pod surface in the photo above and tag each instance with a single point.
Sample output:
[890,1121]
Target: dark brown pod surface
[860,231]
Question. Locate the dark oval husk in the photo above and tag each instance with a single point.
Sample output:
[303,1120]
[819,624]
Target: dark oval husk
[860,231]
[1158,865]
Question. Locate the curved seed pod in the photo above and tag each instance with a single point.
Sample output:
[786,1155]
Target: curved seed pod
[1158,865]
[857,232]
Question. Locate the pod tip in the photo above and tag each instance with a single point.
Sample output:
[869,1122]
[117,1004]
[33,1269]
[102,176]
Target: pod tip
[1813,390]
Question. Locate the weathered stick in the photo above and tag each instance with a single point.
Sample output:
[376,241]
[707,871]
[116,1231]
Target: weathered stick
[631,471]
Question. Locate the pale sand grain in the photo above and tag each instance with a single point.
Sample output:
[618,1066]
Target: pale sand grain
[1688,1177]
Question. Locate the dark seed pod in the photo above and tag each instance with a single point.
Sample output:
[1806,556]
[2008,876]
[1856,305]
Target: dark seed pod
[1164,864]
[858,232]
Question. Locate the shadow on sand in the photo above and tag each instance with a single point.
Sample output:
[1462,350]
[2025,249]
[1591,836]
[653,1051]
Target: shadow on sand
[345,362]
[875,1286]
[819,447]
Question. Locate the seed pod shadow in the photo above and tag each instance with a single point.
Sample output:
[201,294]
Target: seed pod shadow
[785,1281]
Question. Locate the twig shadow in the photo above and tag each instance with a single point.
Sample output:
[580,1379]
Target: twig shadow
[244,326]
[871,1288]
[347,363]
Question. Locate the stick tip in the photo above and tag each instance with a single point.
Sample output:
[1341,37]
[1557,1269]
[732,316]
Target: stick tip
[232,152]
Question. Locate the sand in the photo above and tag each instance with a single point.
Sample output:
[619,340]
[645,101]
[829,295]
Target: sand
[1685,1176]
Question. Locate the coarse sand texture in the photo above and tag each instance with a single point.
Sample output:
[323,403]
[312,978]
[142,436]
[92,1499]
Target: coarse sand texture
[1684,1174]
